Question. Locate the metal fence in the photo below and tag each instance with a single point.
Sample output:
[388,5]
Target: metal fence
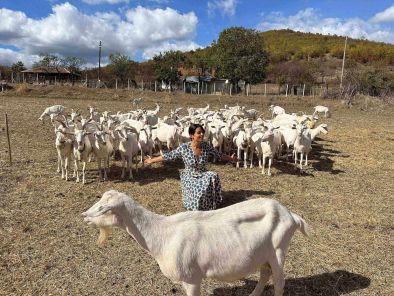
[211,88]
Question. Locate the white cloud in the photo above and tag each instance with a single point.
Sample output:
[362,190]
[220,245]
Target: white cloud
[9,57]
[96,2]
[384,16]
[182,46]
[69,32]
[309,20]
[225,7]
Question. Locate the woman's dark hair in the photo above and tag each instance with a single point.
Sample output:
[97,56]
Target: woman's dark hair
[193,127]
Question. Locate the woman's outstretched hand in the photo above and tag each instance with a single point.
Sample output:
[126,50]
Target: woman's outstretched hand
[233,157]
[148,161]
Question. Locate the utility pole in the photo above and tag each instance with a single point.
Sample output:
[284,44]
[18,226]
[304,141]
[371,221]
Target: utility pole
[99,63]
[343,63]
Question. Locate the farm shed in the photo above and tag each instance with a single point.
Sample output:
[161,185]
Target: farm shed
[49,75]
[205,85]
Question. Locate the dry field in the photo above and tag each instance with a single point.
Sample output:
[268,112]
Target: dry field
[346,195]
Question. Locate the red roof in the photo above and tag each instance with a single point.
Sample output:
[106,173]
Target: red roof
[48,70]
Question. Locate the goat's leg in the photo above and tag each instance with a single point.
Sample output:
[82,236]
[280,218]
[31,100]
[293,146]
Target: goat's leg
[277,272]
[191,289]
[269,165]
[83,172]
[130,166]
[251,156]
[306,159]
[123,167]
[136,162]
[59,161]
[265,273]
[62,165]
[66,167]
[105,169]
[259,157]
[142,157]
[301,157]
[246,158]
[239,156]
[263,172]
[76,170]
[99,168]
[295,159]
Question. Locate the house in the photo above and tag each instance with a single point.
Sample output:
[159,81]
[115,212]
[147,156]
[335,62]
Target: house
[49,75]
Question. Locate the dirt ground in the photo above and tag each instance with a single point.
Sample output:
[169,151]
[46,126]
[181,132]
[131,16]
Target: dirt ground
[346,196]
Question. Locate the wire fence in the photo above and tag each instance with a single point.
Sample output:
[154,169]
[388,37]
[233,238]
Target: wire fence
[214,87]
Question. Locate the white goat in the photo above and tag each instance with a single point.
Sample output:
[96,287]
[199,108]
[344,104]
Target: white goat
[128,148]
[82,149]
[267,146]
[241,142]
[225,244]
[276,110]
[52,112]
[145,142]
[64,145]
[168,134]
[302,144]
[102,149]
[217,137]
[322,109]
[314,132]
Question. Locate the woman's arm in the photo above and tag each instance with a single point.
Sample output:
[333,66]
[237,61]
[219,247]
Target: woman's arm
[226,157]
[170,155]
[220,155]
[151,160]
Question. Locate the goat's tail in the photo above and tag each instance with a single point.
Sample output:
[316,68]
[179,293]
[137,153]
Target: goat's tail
[302,225]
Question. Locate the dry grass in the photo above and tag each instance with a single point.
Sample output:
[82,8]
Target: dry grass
[346,195]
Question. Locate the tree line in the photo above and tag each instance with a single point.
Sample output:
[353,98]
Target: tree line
[239,54]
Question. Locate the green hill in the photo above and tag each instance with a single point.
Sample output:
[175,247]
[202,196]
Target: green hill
[286,45]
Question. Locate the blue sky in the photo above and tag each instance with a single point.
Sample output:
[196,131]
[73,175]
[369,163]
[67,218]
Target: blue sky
[142,29]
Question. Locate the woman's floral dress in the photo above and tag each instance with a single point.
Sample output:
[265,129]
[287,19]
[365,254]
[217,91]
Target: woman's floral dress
[201,189]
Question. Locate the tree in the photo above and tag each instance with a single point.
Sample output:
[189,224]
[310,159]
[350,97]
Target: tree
[241,55]
[293,73]
[201,59]
[119,66]
[47,60]
[73,64]
[167,64]
[18,67]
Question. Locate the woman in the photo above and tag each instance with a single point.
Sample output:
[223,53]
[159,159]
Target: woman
[201,189]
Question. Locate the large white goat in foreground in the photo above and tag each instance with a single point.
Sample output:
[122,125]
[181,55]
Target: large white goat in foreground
[225,244]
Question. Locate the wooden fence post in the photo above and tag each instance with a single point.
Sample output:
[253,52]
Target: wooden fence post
[8,138]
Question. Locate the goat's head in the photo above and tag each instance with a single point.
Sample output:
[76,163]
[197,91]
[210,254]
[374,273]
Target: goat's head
[79,138]
[323,128]
[300,128]
[105,213]
[101,137]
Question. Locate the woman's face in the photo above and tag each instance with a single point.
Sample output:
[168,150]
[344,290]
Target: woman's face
[198,135]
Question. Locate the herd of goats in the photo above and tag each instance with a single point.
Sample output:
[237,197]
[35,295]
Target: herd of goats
[100,135]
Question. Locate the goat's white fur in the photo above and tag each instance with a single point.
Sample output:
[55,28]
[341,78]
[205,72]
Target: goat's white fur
[225,244]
